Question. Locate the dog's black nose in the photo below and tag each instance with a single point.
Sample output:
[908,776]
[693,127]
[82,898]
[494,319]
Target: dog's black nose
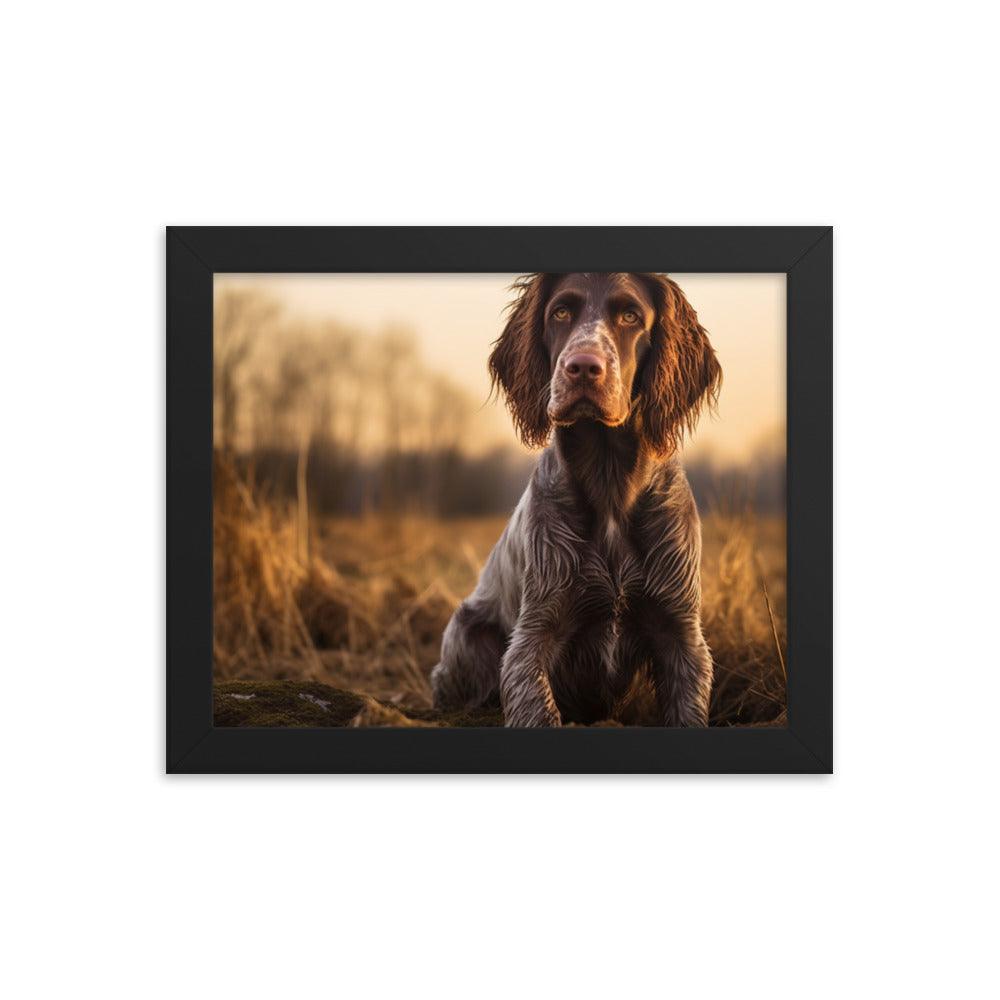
[584,367]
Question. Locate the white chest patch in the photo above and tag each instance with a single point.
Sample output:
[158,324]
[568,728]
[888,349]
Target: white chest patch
[612,533]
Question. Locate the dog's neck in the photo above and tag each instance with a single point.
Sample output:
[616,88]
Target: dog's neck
[608,466]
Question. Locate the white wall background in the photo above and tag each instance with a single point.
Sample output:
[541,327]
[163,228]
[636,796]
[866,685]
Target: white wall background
[121,118]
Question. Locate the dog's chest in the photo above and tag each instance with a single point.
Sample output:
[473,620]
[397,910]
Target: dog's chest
[605,591]
[613,575]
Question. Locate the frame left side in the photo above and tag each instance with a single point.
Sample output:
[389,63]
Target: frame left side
[189,500]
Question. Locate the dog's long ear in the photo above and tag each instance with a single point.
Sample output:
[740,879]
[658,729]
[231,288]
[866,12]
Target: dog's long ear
[519,363]
[680,373]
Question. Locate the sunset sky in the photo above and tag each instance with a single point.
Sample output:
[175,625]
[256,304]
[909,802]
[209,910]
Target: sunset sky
[457,317]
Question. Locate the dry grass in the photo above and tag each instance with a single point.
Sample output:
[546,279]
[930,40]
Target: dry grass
[743,613]
[366,610]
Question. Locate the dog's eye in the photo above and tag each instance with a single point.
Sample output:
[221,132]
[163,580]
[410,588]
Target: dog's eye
[560,314]
[630,316]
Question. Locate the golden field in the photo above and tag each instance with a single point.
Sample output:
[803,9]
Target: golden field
[340,605]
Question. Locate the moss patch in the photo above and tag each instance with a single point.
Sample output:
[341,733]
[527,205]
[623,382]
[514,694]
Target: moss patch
[311,704]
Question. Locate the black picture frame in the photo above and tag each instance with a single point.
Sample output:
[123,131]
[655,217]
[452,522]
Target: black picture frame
[195,254]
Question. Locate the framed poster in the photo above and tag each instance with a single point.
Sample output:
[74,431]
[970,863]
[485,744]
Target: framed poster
[478,499]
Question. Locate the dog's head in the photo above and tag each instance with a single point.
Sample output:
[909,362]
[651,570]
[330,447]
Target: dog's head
[613,348]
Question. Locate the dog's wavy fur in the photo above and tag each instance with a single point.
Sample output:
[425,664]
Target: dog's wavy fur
[595,581]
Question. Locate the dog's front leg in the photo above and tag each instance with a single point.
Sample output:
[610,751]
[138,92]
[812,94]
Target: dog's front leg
[682,672]
[535,644]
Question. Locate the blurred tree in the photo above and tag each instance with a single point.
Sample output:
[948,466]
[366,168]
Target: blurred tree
[398,374]
[240,317]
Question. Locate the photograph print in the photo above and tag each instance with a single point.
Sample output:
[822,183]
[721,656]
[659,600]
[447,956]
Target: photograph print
[525,500]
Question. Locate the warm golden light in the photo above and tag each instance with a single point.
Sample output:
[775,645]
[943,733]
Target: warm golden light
[452,320]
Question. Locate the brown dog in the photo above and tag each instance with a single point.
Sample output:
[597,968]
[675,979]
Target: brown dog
[596,578]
